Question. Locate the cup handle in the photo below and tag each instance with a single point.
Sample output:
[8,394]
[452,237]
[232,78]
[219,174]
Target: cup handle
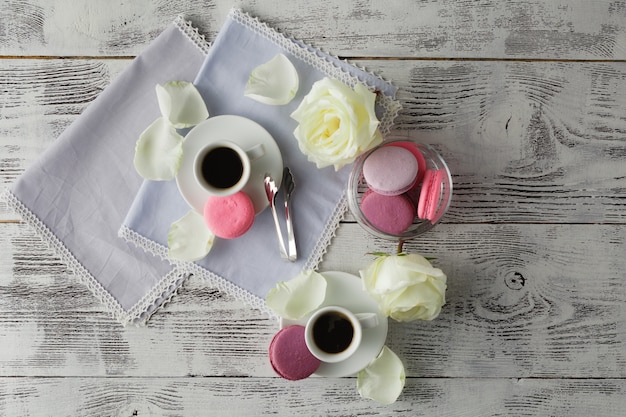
[255,152]
[367,320]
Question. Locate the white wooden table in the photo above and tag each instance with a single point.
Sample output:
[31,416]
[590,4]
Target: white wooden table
[526,100]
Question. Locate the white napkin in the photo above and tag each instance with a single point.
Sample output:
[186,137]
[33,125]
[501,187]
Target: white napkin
[78,193]
[251,265]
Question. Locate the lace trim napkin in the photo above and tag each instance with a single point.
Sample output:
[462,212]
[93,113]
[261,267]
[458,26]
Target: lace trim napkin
[250,265]
[78,193]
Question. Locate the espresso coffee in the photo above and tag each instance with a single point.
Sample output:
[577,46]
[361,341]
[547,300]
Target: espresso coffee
[222,167]
[333,332]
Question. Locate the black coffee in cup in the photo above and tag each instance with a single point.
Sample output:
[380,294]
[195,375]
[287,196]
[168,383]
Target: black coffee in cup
[333,332]
[222,167]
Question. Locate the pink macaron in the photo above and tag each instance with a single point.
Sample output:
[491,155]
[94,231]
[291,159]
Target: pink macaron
[229,217]
[421,161]
[289,355]
[391,214]
[390,170]
[429,195]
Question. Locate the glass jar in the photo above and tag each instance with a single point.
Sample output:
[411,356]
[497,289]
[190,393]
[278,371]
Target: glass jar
[357,187]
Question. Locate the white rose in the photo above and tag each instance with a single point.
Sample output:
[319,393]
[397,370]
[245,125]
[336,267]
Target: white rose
[336,123]
[406,287]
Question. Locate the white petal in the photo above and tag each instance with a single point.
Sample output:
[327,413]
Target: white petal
[275,82]
[297,297]
[158,151]
[181,104]
[189,239]
[383,379]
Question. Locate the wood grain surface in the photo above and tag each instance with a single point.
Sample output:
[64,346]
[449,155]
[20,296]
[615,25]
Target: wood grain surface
[517,29]
[525,100]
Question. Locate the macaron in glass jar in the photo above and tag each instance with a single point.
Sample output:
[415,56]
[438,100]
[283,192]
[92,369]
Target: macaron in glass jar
[400,189]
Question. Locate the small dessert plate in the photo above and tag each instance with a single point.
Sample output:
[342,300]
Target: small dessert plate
[345,290]
[245,133]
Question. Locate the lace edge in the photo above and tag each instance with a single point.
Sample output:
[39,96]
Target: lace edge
[329,232]
[194,269]
[157,301]
[167,288]
[66,256]
[391,112]
[192,33]
[144,243]
[389,104]
[228,287]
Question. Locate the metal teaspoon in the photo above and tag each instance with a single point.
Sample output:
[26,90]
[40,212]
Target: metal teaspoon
[271,190]
[288,187]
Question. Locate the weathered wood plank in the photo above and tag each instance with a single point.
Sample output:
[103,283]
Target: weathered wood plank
[201,396]
[522,301]
[575,29]
[526,142]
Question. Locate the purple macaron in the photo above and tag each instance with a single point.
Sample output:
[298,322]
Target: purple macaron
[389,213]
[390,170]
[289,355]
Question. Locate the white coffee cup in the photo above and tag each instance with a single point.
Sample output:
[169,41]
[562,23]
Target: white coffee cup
[334,333]
[223,167]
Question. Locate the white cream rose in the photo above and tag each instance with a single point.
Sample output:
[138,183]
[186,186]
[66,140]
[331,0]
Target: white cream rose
[336,123]
[406,287]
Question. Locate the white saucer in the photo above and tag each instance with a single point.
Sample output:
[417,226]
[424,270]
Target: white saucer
[245,133]
[346,290]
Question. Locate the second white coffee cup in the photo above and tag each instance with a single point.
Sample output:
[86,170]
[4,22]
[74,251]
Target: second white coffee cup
[334,333]
[223,167]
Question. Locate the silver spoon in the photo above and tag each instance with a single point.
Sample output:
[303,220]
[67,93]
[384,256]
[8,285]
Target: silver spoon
[271,190]
[288,186]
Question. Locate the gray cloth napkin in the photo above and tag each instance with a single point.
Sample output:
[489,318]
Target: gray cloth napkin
[251,265]
[79,192]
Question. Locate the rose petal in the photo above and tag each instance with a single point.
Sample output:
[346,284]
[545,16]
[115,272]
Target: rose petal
[158,151]
[274,82]
[383,379]
[181,104]
[299,296]
[189,239]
